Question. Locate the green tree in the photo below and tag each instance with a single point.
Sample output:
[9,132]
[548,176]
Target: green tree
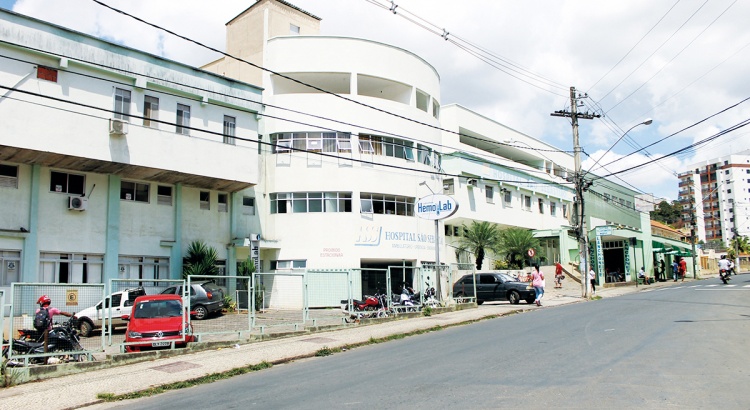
[479,239]
[667,213]
[200,260]
[740,243]
[514,243]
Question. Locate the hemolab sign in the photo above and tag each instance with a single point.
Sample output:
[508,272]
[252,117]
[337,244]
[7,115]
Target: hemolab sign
[436,207]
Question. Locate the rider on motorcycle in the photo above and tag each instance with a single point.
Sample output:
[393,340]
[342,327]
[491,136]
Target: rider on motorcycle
[724,268]
[44,303]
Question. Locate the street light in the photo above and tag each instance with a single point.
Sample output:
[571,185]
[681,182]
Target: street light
[648,121]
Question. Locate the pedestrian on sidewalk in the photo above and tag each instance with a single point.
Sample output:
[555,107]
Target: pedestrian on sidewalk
[537,281]
[675,269]
[683,268]
[559,276]
[592,280]
[662,271]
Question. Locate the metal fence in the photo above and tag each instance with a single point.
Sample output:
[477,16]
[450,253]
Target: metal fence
[213,302]
[120,300]
[70,298]
[282,300]
[325,289]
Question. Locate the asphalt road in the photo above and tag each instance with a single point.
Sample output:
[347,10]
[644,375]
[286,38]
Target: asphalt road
[683,346]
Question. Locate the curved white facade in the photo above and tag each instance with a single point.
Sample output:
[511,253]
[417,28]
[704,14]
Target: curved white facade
[373,150]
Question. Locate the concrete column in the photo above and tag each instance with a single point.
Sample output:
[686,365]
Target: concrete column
[112,245]
[30,257]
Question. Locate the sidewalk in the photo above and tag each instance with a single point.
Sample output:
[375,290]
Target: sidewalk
[81,389]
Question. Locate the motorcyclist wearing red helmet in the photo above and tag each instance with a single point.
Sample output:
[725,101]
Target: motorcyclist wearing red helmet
[44,303]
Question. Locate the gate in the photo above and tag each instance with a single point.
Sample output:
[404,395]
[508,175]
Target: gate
[457,271]
[279,300]
[221,298]
[325,290]
[113,307]
[67,297]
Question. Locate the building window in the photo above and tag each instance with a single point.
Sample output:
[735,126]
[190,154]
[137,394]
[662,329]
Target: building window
[223,202]
[489,193]
[311,202]
[565,210]
[164,195]
[122,104]
[205,200]
[248,205]
[46,73]
[67,183]
[143,268]
[435,109]
[388,146]
[729,191]
[334,142]
[8,176]
[150,111]
[541,205]
[448,186]
[289,264]
[183,119]
[134,191]
[553,208]
[70,268]
[293,30]
[230,124]
[386,204]
[507,197]
[527,203]
[423,100]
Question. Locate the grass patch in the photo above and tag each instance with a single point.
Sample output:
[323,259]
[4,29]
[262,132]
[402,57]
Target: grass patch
[209,378]
[326,351]
[427,311]
[597,297]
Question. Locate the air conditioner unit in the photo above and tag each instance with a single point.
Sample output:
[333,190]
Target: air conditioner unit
[472,182]
[77,203]
[118,127]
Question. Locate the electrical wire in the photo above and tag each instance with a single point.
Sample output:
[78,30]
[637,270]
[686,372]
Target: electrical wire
[255,140]
[190,40]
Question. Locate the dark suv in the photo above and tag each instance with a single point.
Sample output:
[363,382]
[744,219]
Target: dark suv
[493,286]
[205,298]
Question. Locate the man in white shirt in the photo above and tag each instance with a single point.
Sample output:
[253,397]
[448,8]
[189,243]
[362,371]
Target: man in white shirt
[642,275]
[592,280]
[724,268]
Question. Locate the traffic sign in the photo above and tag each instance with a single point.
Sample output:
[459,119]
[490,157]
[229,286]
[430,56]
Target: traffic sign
[531,252]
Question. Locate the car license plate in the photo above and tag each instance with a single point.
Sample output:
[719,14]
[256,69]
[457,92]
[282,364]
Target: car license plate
[160,344]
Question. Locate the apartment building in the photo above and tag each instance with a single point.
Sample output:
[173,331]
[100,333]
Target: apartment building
[716,195]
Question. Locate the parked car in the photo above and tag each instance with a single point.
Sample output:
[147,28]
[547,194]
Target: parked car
[156,321]
[92,317]
[205,298]
[493,287]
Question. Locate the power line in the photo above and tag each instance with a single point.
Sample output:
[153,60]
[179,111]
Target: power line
[216,133]
[188,39]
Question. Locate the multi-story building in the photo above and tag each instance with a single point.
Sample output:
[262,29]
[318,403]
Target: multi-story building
[716,195]
[113,160]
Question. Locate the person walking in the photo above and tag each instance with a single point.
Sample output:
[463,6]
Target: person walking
[592,280]
[662,271]
[559,276]
[675,269]
[683,268]
[537,281]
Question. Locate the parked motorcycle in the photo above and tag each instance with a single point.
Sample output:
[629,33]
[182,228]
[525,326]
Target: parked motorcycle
[61,338]
[373,306]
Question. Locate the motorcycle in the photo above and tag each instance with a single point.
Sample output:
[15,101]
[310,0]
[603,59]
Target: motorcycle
[724,275]
[372,306]
[60,339]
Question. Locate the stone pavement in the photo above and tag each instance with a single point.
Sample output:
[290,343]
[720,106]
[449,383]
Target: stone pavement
[81,389]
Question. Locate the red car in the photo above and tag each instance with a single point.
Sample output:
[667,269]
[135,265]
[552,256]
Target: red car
[155,322]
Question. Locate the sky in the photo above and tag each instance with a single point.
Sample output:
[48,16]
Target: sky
[677,62]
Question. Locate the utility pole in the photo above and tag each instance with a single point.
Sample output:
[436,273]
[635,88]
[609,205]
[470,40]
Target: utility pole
[736,238]
[580,184]
[692,233]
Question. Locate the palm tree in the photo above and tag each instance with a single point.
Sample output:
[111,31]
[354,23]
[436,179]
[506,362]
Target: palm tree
[479,238]
[740,243]
[200,260]
[514,243]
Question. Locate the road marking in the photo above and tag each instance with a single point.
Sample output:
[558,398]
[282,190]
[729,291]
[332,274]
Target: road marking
[711,286]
